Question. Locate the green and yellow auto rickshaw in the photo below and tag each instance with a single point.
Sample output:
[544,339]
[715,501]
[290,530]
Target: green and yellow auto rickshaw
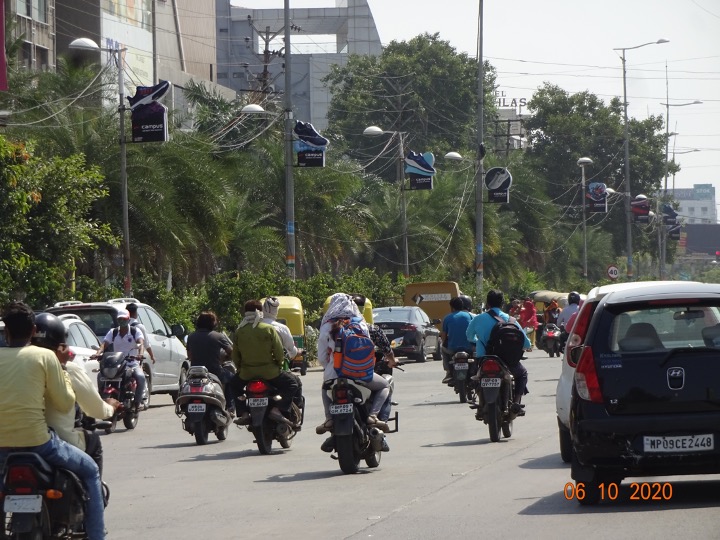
[290,313]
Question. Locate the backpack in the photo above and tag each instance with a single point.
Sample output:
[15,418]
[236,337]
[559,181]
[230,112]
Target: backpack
[506,341]
[354,355]
[133,332]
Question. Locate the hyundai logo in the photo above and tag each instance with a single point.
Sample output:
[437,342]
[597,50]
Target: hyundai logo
[676,378]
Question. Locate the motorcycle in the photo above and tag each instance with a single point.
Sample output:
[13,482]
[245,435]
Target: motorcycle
[260,397]
[41,501]
[495,397]
[550,340]
[116,381]
[201,401]
[353,439]
[463,367]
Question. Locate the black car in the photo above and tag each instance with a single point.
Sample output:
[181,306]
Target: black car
[646,394]
[411,332]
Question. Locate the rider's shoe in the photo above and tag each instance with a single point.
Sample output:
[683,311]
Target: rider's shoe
[375,422]
[517,409]
[324,427]
[328,445]
[448,377]
[275,414]
[243,419]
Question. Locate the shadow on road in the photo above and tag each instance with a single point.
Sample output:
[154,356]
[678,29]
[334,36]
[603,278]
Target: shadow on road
[221,456]
[451,444]
[456,401]
[685,494]
[551,461]
[308,475]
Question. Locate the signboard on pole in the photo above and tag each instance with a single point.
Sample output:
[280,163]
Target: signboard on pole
[498,181]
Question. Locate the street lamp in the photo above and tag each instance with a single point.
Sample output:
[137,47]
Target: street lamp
[581,163]
[663,237]
[374,131]
[88,44]
[628,209]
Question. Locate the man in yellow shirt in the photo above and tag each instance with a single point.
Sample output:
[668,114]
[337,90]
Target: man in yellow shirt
[50,334]
[30,377]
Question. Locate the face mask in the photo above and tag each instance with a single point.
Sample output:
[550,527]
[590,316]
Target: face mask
[123,323]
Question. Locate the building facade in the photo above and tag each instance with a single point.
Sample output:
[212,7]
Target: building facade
[697,205]
[250,50]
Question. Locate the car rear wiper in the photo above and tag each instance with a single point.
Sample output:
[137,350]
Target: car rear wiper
[673,352]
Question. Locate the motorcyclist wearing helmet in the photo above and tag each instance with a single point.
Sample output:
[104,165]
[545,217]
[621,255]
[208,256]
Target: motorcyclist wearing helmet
[466,303]
[453,331]
[572,307]
[50,334]
[32,376]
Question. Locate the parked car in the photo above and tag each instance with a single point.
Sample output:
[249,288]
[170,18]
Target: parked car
[645,392]
[414,334]
[576,337]
[171,365]
[83,343]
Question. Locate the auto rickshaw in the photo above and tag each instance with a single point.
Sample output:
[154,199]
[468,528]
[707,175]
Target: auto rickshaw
[290,313]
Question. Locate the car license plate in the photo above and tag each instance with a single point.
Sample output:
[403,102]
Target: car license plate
[257,402]
[196,407]
[490,383]
[679,444]
[23,504]
[462,366]
[388,331]
[341,409]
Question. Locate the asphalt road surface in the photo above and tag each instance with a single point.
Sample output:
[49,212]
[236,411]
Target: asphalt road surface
[443,478]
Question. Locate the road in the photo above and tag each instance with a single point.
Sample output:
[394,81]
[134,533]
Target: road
[443,478]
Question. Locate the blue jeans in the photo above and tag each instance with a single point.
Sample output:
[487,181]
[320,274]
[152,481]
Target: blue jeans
[139,376]
[58,453]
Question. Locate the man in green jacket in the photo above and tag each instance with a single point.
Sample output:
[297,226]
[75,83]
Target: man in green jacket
[258,353]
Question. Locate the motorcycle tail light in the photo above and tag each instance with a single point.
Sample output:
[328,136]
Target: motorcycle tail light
[22,479]
[257,387]
[586,378]
[196,389]
[341,395]
[490,366]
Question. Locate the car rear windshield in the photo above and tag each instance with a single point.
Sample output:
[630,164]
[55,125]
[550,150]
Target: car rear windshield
[655,327]
[389,316]
[100,321]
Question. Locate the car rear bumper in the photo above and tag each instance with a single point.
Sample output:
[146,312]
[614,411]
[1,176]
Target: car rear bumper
[618,443]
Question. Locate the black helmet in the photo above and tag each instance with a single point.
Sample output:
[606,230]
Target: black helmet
[574,297]
[456,303]
[49,332]
[466,302]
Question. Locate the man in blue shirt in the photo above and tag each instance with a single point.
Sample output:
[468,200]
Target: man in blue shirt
[478,331]
[453,337]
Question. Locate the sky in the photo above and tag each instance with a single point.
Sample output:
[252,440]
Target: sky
[570,43]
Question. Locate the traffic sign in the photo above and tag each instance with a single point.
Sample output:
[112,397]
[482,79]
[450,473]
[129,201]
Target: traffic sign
[613,271]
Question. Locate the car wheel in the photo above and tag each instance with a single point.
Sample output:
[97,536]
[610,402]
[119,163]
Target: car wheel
[183,377]
[148,388]
[565,443]
[437,353]
[420,355]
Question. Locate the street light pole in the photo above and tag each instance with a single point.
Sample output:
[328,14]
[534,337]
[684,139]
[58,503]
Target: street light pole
[628,208]
[581,163]
[289,181]
[479,172]
[88,44]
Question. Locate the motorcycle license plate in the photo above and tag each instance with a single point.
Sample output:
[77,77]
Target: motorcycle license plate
[23,504]
[257,402]
[341,409]
[196,407]
[490,383]
[462,366]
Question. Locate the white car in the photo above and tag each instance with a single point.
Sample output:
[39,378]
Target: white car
[576,337]
[80,338]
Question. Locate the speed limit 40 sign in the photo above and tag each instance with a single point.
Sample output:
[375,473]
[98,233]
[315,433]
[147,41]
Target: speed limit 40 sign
[613,272]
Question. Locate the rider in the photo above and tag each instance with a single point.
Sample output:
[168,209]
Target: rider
[206,346]
[479,331]
[453,337]
[568,311]
[135,323]
[126,339]
[50,334]
[258,353]
[341,307]
[270,312]
[528,318]
[31,379]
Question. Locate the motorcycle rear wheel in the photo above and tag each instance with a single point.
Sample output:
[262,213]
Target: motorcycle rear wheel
[130,419]
[494,422]
[461,388]
[347,456]
[201,433]
[264,436]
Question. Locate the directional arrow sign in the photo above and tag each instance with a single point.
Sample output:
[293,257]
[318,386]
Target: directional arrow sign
[418,298]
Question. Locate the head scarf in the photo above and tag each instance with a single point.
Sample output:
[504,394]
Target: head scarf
[529,306]
[270,308]
[341,306]
[252,317]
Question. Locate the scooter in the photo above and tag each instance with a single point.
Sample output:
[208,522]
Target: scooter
[201,401]
[550,340]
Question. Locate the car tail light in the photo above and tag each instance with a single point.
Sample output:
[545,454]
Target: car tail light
[490,366]
[578,331]
[340,395]
[408,328]
[257,387]
[22,479]
[586,379]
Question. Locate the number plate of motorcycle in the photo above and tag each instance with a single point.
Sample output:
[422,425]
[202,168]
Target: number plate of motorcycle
[490,383]
[461,366]
[341,409]
[257,402]
[196,407]
[23,504]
